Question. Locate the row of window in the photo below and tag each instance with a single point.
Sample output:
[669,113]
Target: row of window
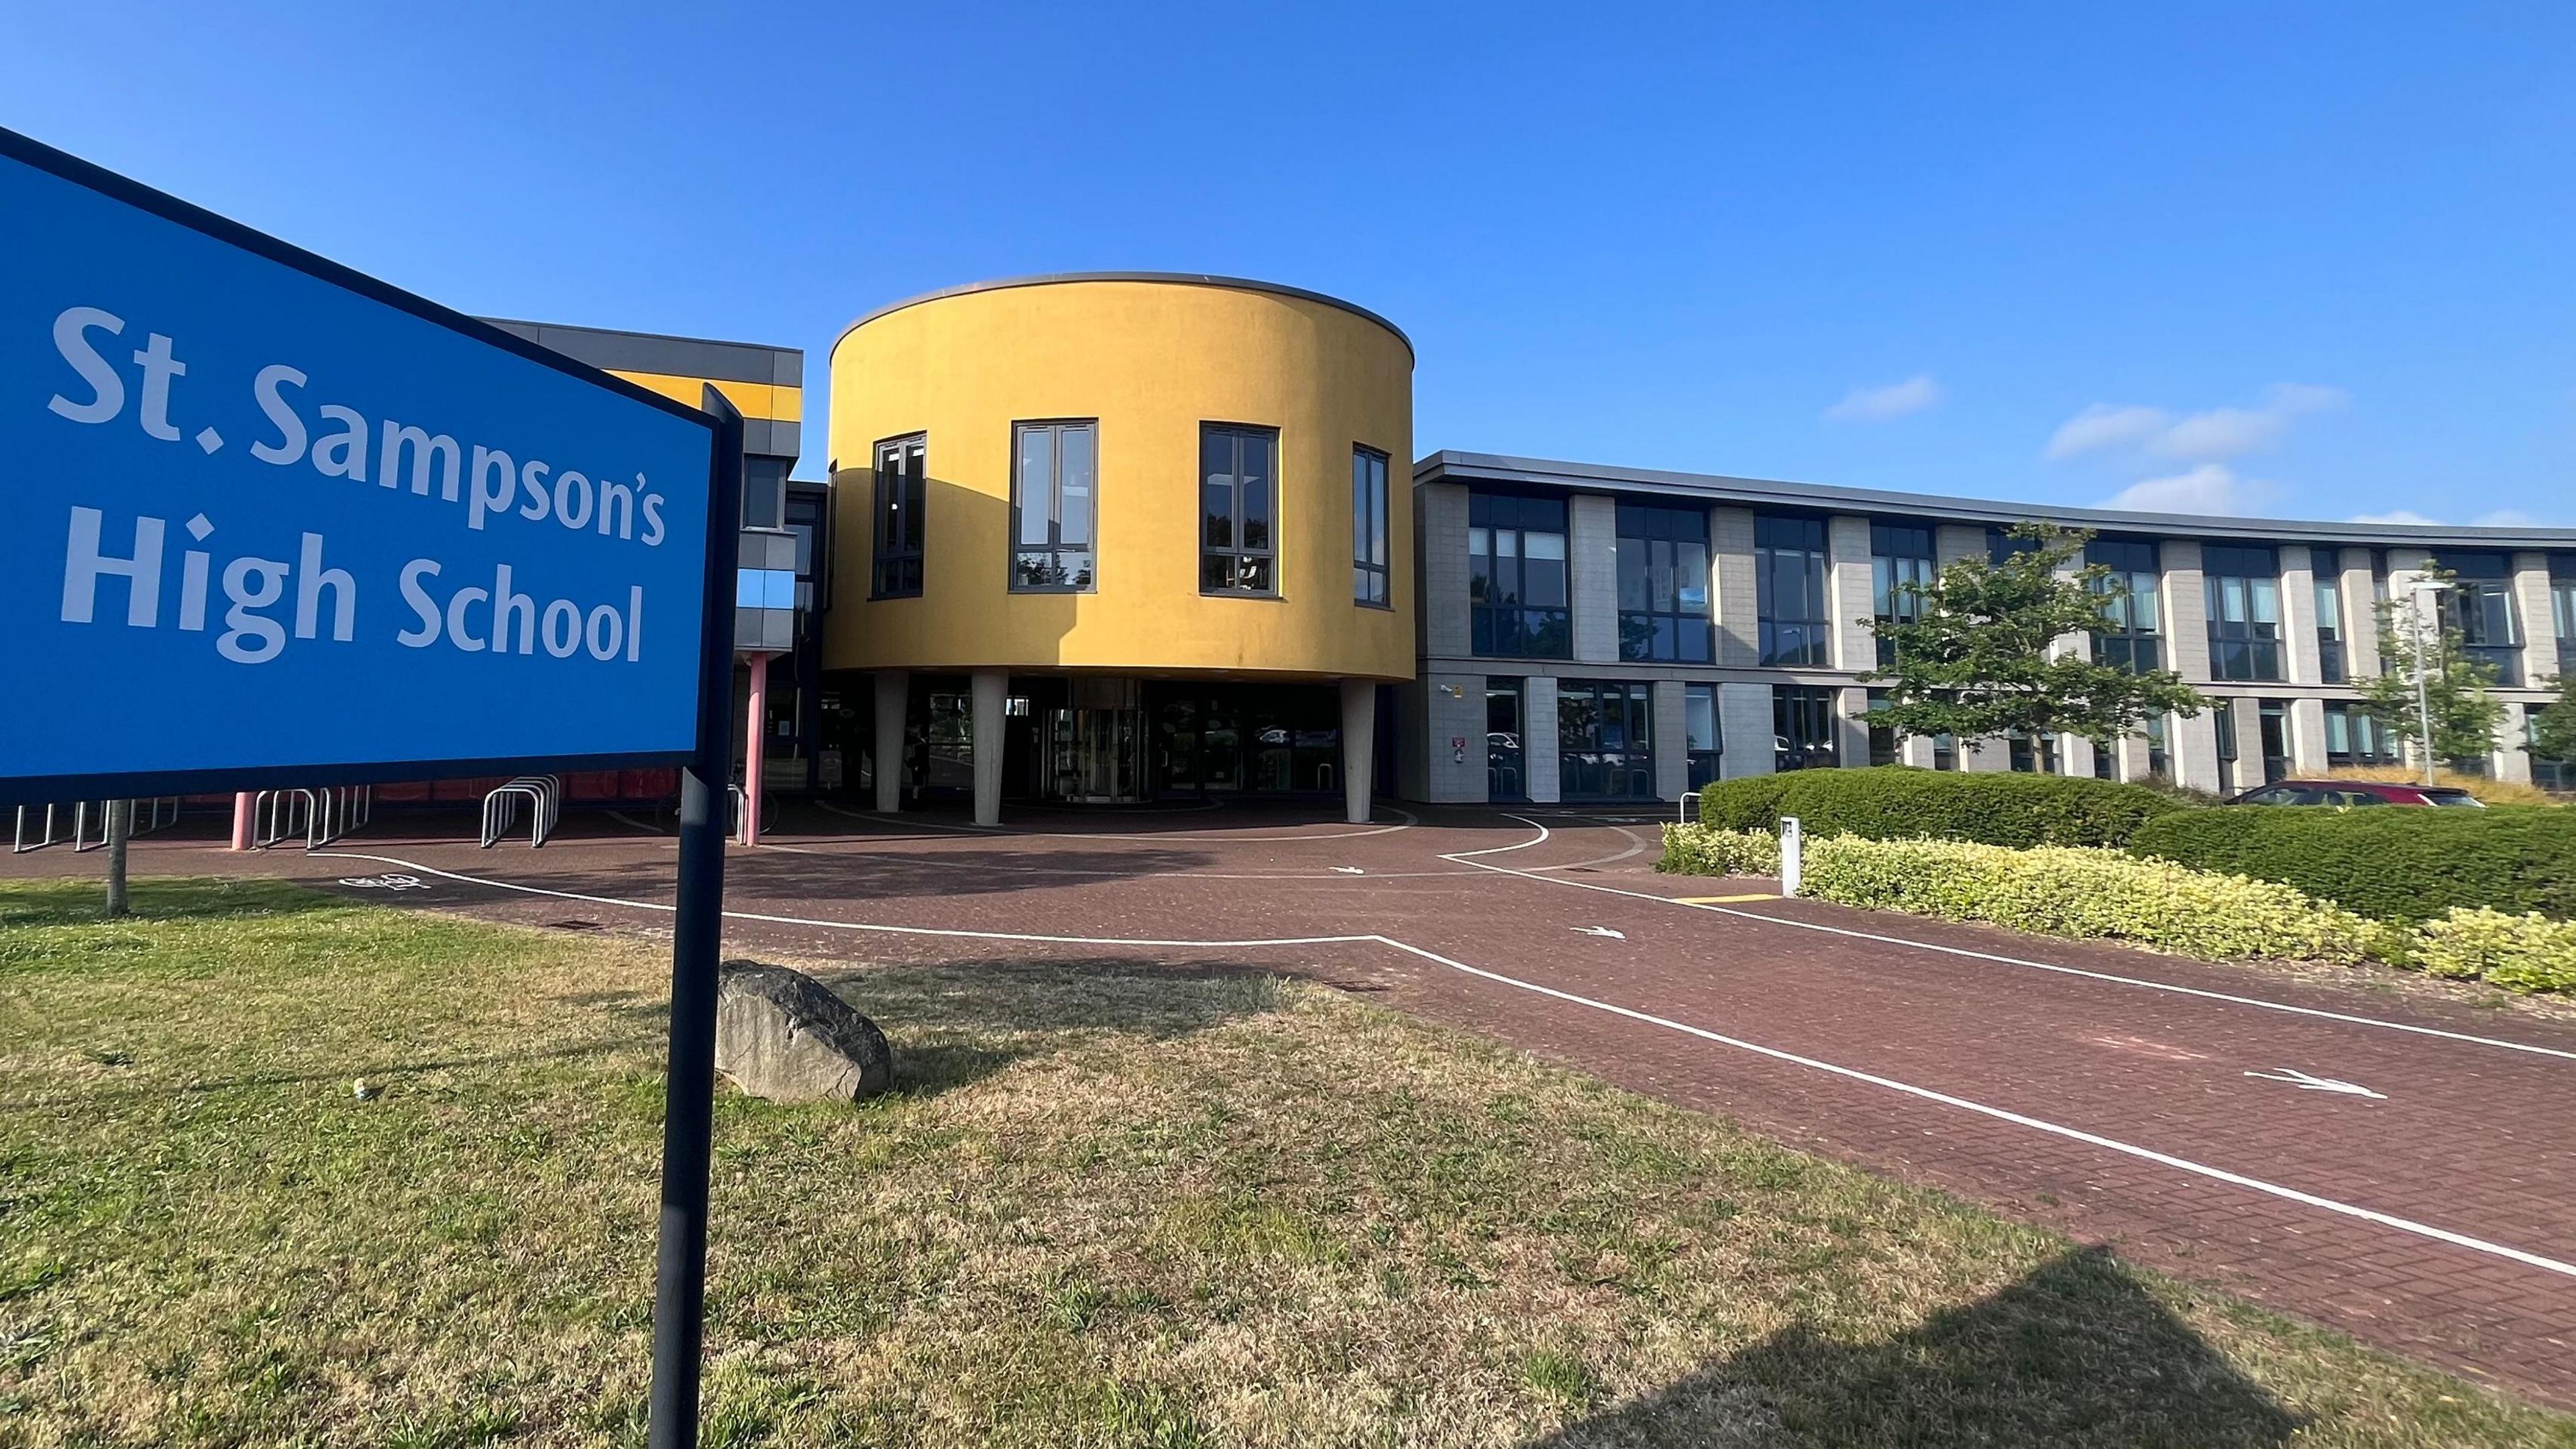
[1055,485]
[1519,592]
[1605,736]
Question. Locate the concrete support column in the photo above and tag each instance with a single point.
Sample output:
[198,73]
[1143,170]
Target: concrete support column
[2360,616]
[2299,657]
[1455,762]
[244,831]
[986,690]
[2249,742]
[1538,738]
[1988,756]
[2194,743]
[1851,727]
[1359,749]
[1671,741]
[1847,551]
[1592,566]
[1733,592]
[755,747]
[2075,756]
[1440,522]
[1915,750]
[2308,736]
[894,699]
[2512,747]
[2186,619]
[1744,733]
[2539,623]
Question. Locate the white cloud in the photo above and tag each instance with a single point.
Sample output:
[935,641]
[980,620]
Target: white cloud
[2105,426]
[2211,488]
[2400,515]
[2505,518]
[2212,436]
[1878,404]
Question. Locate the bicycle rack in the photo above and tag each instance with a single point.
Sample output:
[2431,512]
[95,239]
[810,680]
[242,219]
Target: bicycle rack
[1689,803]
[277,814]
[18,839]
[338,810]
[156,813]
[544,797]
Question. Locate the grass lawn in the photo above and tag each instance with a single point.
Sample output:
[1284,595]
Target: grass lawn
[1114,1204]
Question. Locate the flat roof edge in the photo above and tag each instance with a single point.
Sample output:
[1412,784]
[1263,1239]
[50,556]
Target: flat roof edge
[1450,465]
[1187,279]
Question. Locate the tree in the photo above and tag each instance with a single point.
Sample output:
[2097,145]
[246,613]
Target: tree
[2553,730]
[1971,650]
[2455,685]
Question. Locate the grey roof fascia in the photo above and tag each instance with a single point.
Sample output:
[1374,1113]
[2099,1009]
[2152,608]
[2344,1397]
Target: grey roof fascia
[660,352]
[1452,466]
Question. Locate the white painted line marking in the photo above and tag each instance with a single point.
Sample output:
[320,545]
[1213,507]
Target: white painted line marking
[1410,820]
[1465,858]
[2306,1083]
[1601,931]
[1348,870]
[2108,1144]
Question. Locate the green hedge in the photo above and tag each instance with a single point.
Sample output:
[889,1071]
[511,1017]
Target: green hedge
[1700,850]
[2391,863]
[1892,802]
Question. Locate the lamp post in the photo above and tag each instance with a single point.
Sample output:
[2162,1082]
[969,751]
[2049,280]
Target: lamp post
[2424,593]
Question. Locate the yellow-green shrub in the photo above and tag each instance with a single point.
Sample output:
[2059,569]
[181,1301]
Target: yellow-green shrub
[2086,893]
[1711,850]
[2520,953]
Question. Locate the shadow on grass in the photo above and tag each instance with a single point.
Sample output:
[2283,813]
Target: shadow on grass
[72,901]
[958,1022]
[380,1072]
[2075,1353]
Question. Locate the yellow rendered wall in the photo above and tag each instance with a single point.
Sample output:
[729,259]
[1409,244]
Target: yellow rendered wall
[1151,361]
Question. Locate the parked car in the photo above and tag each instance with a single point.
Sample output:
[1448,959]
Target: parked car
[2356,792]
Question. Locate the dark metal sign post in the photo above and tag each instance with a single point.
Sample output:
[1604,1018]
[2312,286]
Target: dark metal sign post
[689,1089]
[128,487]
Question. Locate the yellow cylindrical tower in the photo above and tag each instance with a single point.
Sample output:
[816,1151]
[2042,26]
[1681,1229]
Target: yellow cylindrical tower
[1211,440]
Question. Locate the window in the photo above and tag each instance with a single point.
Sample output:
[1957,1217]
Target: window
[1238,483]
[1802,726]
[2273,718]
[1516,582]
[2131,636]
[1368,528]
[1945,752]
[2222,714]
[2331,666]
[2562,607]
[1503,740]
[2354,737]
[1604,748]
[1900,561]
[2480,606]
[2159,735]
[764,491]
[2002,544]
[1699,732]
[2243,588]
[900,496]
[1054,479]
[1663,583]
[808,507]
[2548,774]
[1882,738]
[1789,589]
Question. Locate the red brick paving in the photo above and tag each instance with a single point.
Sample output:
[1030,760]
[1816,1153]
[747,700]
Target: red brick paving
[2467,1139]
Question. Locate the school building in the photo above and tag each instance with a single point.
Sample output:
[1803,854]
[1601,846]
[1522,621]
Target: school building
[1109,538]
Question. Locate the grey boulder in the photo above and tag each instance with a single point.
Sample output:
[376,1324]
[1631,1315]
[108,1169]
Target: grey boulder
[783,1035]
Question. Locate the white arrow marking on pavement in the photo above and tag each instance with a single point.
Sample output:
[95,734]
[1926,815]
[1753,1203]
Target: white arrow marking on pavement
[1602,931]
[2306,1083]
[1350,870]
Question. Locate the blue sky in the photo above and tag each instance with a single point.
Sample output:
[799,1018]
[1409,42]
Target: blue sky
[2299,260]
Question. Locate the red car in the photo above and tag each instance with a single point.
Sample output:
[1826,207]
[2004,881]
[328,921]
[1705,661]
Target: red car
[2356,792]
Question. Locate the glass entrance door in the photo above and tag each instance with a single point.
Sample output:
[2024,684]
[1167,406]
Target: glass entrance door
[1096,755]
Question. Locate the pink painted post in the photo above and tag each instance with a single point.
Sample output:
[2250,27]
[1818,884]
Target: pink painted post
[242,836]
[755,749]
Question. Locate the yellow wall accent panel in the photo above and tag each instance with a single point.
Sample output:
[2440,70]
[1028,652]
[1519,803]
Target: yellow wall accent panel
[756,399]
[1151,360]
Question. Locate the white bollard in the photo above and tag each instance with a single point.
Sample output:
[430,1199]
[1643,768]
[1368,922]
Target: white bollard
[1792,845]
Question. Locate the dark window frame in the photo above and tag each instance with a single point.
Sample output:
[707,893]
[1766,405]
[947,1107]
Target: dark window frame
[1240,558]
[1055,548]
[897,533]
[1900,554]
[1509,626]
[2480,605]
[2247,649]
[1793,641]
[1663,628]
[1806,731]
[1372,530]
[2131,636]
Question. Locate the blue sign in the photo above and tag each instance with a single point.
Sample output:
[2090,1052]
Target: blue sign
[259,513]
